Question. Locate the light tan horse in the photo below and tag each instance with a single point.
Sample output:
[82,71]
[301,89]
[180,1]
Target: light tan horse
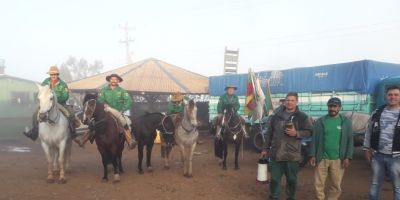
[186,135]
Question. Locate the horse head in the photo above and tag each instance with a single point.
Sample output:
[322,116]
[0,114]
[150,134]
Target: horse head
[47,101]
[190,113]
[89,107]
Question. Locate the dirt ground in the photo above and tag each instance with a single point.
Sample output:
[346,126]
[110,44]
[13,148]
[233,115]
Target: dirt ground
[23,176]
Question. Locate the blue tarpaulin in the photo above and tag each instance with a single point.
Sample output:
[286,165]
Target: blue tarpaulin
[359,76]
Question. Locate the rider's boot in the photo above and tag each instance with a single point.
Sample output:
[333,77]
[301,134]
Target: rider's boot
[32,133]
[129,137]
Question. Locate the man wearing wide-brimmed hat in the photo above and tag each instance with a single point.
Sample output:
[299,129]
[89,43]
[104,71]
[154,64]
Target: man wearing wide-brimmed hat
[228,98]
[176,106]
[60,88]
[116,100]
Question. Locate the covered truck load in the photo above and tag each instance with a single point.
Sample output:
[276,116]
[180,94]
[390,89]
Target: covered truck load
[354,82]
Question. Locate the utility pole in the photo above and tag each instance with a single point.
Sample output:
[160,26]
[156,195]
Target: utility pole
[127,40]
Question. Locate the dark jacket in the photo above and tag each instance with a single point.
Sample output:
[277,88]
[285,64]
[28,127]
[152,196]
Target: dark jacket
[283,147]
[346,139]
[372,136]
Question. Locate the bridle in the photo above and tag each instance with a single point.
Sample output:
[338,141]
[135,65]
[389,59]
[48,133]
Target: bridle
[164,131]
[53,106]
[187,118]
[92,109]
[236,129]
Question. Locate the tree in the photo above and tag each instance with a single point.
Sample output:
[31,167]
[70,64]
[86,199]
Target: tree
[80,68]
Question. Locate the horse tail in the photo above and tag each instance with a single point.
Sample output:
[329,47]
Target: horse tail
[218,150]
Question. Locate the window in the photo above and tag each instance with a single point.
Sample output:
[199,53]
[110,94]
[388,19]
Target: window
[20,98]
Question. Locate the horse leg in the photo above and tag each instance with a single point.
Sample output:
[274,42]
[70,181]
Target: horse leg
[114,159]
[183,154]
[225,154]
[191,151]
[50,176]
[166,158]
[105,172]
[149,147]
[54,153]
[61,161]
[140,157]
[68,157]
[237,148]
[119,162]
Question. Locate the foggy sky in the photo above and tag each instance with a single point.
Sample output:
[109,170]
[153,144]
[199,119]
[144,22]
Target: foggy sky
[271,34]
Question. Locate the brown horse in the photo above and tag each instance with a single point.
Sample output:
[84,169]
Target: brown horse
[109,140]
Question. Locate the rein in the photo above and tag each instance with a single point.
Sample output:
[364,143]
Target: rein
[236,129]
[163,126]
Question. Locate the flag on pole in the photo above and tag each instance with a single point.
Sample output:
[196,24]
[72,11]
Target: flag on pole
[268,100]
[250,95]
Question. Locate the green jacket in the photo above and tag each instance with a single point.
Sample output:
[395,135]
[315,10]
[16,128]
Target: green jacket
[346,139]
[176,107]
[117,98]
[61,90]
[226,99]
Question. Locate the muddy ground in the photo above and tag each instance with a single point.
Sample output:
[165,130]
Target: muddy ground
[23,176]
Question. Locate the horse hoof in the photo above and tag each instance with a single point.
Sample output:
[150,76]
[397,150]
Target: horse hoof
[63,181]
[167,167]
[188,175]
[237,168]
[150,169]
[117,179]
[104,180]
[140,172]
[224,168]
[50,180]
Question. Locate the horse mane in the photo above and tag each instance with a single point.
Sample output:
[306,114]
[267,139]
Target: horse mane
[89,96]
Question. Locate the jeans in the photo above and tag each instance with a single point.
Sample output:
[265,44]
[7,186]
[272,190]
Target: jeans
[381,162]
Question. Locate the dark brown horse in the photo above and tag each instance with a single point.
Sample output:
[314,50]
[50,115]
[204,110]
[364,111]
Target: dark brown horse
[229,129]
[144,128]
[109,140]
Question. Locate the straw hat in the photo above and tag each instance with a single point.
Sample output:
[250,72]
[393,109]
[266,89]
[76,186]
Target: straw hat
[176,97]
[53,70]
[114,75]
[231,86]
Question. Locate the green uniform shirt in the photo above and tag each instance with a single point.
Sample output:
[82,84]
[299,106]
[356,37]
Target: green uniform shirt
[226,99]
[117,98]
[176,107]
[61,90]
[332,135]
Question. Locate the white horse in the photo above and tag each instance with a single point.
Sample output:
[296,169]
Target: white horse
[54,134]
[186,135]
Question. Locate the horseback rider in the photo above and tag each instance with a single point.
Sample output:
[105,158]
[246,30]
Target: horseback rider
[176,106]
[228,98]
[61,90]
[116,101]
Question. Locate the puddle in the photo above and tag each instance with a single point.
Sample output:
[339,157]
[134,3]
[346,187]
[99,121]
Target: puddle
[16,149]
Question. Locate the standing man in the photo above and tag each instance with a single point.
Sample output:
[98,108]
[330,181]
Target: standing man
[60,88]
[382,144]
[283,145]
[331,150]
[116,101]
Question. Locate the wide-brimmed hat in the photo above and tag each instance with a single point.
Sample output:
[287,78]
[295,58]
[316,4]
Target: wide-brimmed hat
[334,101]
[53,70]
[231,86]
[176,97]
[114,75]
